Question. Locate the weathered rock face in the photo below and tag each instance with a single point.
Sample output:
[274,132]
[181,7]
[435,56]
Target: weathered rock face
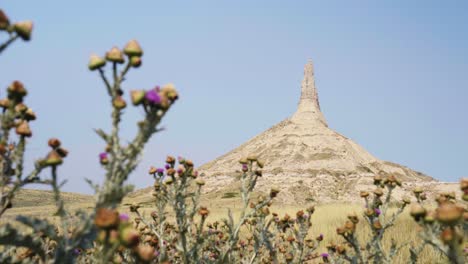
[306,159]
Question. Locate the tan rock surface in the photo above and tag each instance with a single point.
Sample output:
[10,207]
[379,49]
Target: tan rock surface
[309,161]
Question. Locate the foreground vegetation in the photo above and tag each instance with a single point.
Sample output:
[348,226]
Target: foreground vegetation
[178,229]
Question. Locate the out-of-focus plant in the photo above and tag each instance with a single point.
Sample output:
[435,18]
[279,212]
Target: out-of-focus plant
[16,30]
[443,228]
[78,231]
[379,221]
[257,236]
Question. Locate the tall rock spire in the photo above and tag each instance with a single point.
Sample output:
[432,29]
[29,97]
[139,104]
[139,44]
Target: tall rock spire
[308,109]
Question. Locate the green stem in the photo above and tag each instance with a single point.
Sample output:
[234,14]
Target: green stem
[8,42]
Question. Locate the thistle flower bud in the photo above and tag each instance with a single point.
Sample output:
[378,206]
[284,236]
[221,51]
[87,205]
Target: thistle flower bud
[406,200]
[23,29]
[449,213]
[16,89]
[203,211]
[145,253]
[245,168]
[189,163]
[106,218]
[115,55]
[62,152]
[171,172]
[418,190]
[377,225]
[364,194]
[319,238]
[152,170]
[170,159]
[21,108]
[274,192]
[137,96]
[4,21]
[340,230]
[169,181]
[243,161]
[119,103]
[5,103]
[369,212]
[170,92]
[430,217]
[447,235]
[133,49]
[103,158]
[200,182]
[129,237]
[135,62]
[54,143]
[252,158]
[53,159]
[378,192]
[29,115]
[258,173]
[96,62]
[23,129]
[377,180]
[464,184]
[3,148]
[417,211]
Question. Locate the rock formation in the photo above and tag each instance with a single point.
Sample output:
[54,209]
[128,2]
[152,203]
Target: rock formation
[306,159]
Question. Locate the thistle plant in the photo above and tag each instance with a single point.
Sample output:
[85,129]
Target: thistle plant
[120,160]
[80,233]
[15,120]
[254,237]
[444,228]
[19,30]
[377,217]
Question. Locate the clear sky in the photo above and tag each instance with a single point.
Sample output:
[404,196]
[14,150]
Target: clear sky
[391,76]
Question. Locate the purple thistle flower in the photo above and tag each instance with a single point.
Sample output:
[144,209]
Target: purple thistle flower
[167,166]
[76,251]
[324,255]
[124,217]
[103,155]
[160,171]
[377,211]
[153,97]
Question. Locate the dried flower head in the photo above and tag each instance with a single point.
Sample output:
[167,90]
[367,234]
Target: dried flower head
[133,49]
[115,55]
[4,21]
[449,213]
[96,62]
[23,29]
[106,218]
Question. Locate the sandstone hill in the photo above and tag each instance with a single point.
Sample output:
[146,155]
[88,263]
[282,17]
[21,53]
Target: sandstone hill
[308,160]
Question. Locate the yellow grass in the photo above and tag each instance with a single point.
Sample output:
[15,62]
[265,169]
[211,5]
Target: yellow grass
[325,221]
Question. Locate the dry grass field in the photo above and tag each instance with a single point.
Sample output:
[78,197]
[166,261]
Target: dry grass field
[326,218]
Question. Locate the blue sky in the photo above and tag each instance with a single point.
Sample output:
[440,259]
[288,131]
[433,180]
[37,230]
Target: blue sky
[392,76]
